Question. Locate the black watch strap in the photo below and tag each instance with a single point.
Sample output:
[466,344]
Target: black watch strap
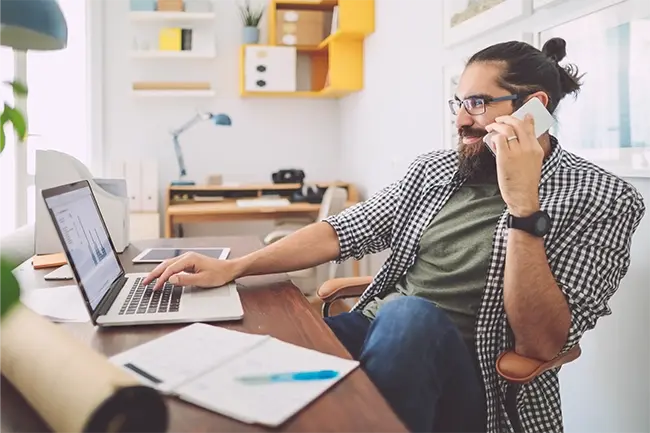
[538,224]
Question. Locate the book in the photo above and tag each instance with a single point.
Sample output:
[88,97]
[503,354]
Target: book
[207,366]
[170,39]
[44,261]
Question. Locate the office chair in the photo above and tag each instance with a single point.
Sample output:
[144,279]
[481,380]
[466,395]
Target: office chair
[514,368]
[334,201]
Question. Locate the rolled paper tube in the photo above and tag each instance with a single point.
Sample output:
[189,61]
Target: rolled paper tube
[71,386]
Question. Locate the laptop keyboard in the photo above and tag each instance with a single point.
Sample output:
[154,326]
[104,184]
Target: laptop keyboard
[143,300]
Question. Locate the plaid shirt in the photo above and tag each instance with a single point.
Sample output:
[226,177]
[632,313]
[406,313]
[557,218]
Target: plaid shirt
[594,216]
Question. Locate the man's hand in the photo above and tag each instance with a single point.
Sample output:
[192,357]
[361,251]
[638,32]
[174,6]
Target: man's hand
[195,270]
[519,163]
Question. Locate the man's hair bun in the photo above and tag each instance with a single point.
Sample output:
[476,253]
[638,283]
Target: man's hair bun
[555,49]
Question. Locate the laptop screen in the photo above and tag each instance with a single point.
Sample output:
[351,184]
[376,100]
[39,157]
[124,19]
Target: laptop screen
[86,239]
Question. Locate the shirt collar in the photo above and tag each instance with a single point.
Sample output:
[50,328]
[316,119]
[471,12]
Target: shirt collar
[552,161]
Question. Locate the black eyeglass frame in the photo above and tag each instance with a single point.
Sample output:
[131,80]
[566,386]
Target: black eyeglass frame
[453,103]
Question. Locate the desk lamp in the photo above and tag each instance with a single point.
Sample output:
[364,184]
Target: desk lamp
[32,25]
[217,119]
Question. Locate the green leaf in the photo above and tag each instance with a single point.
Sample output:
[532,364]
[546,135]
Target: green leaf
[17,119]
[9,287]
[3,120]
[19,88]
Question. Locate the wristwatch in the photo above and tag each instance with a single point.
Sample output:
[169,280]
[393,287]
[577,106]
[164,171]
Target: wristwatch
[537,224]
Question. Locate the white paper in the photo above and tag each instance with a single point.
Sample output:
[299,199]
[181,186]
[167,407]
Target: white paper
[59,304]
[263,202]
[270,403]
[186,353]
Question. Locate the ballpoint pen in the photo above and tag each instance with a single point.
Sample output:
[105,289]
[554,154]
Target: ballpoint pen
[290,377]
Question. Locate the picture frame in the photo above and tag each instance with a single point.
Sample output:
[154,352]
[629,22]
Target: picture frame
[464,19]
[606,123]
[451,75]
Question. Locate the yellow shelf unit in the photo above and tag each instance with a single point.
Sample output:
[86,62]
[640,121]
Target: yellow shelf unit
[337,61]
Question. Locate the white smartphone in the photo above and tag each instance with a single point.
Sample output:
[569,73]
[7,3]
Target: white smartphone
[543,119]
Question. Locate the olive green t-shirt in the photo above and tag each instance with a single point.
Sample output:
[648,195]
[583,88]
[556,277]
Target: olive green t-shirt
[452,261]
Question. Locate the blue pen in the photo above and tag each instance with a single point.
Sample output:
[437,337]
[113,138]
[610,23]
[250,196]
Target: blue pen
[290,377]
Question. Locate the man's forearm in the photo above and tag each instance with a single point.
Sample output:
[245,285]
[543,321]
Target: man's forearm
[535,306]
[308,247]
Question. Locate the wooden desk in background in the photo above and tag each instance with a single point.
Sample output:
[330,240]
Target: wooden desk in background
[217,203]
[273,306]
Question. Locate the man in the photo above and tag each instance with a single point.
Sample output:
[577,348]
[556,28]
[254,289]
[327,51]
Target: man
[520,250]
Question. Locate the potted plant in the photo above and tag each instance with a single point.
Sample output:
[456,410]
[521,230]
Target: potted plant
[251,19]
[12,115]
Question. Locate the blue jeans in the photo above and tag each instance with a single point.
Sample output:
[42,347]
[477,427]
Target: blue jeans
[419,362]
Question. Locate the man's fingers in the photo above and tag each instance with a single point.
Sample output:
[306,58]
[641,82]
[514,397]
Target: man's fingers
[176,267]
[185,279]
[500,144]
[521,128]
[501,128]
[157,271]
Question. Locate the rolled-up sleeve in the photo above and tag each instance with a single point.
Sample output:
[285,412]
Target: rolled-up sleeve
[365,228]
[590,270]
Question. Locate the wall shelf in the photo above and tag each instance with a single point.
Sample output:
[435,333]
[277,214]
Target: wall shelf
[336,63]
[171,16]
[174,93]
[159,54]
[306,5]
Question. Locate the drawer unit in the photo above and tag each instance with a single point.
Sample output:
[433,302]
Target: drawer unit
[270,69]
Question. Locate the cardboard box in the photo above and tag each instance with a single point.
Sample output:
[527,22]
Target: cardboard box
[301,27]
[170,5]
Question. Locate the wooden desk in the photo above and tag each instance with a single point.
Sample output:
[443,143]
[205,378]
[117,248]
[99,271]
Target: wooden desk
[186,204]
[213,203]
[272,305]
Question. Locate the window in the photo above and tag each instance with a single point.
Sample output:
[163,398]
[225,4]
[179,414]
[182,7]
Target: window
[7,158]
[57,106]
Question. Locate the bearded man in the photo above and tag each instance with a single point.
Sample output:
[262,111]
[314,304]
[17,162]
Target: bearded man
[520,249]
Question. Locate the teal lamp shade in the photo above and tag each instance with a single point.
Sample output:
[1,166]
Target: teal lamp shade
[32,25]
[221,119]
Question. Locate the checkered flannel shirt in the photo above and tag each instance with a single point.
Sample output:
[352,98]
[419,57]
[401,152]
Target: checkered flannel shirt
[594,215]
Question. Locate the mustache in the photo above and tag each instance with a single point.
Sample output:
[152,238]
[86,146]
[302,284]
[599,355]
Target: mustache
[466,131]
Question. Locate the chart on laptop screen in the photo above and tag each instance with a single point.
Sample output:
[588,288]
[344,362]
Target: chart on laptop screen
[87,241]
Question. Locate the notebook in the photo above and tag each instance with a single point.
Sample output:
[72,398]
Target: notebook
[204,365]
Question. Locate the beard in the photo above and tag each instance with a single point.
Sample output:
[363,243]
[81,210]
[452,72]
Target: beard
[476,162]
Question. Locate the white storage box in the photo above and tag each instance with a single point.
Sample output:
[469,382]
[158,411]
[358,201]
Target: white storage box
[270,69]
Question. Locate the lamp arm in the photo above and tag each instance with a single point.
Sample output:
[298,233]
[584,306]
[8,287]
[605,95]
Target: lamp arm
[194,120]
[177,146]
[179,157]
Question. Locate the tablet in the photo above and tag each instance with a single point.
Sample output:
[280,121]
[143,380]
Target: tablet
[159,255]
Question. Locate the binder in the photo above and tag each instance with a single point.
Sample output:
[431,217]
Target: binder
[133,185]
[149,186]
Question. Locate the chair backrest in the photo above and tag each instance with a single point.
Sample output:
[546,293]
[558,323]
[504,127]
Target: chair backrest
[19,244]
[333,202]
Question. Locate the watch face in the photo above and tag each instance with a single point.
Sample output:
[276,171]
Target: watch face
[542,225]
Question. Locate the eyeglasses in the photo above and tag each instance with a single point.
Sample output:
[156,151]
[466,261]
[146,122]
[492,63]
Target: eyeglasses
[476,105]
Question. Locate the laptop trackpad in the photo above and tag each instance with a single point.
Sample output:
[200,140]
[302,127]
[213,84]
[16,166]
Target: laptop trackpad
[198,293]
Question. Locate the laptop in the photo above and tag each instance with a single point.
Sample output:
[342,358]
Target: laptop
[113,297]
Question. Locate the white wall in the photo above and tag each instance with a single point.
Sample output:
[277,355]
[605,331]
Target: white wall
[399,115]
[267,134]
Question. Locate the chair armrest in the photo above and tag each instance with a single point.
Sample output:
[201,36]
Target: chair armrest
[341,288]
[338,288]
[276,235]
[520,369]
